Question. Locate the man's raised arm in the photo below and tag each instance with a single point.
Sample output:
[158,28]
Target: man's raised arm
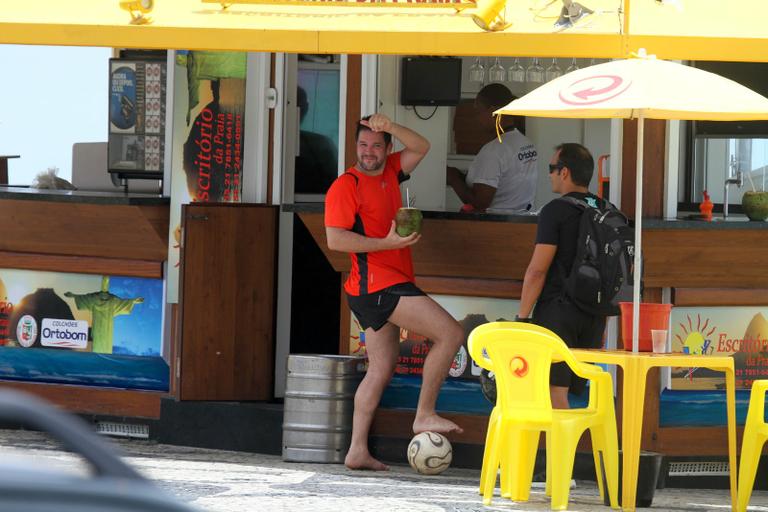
[416,146]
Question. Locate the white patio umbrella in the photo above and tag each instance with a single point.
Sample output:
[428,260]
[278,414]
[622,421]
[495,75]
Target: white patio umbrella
[639,88]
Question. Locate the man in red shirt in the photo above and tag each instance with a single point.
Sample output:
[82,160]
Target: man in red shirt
[360,209]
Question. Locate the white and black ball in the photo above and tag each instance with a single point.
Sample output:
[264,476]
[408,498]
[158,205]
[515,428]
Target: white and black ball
[430,453]
[488,385]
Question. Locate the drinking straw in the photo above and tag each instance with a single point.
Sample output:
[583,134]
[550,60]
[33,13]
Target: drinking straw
[407,197]
[752,183]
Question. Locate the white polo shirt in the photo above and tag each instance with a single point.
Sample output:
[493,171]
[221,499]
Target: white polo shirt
[508,166]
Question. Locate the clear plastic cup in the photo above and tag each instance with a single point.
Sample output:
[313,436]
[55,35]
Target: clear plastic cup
[659,337]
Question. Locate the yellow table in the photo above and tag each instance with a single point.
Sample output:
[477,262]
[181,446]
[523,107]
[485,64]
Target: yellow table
[636,366]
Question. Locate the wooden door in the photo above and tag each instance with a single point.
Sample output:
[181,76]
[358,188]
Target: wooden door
[227,301]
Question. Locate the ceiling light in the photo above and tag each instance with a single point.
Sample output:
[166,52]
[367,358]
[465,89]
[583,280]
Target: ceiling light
[571,13]
[138,8]
[489,15]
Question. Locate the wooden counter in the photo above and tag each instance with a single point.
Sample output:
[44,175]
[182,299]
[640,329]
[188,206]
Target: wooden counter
[677,254]
[486,255]
[86,233]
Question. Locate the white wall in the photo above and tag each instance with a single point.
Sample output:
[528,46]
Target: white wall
[548,133]
[50,98]
[429,182]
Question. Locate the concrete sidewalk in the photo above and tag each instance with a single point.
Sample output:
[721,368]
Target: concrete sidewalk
[216,480]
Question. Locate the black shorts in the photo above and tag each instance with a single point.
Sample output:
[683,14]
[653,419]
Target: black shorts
[374,309]
[577,329]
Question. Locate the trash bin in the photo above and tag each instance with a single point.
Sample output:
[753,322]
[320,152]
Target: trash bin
[648,471]
[319,402]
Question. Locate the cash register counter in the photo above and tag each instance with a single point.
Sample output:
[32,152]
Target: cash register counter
[705,263]
[84,232]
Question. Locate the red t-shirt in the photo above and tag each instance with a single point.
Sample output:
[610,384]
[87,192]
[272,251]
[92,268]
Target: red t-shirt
[367,205]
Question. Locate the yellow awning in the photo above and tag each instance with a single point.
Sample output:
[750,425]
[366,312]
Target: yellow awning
[672,29]
[311,28]
[700,29]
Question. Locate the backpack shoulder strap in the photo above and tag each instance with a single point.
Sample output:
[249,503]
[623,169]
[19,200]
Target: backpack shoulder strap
[604,204]
[608,206]
[579,203]
[582,206]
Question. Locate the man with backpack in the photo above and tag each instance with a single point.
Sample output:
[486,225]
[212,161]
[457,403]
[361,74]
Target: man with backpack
[581,264]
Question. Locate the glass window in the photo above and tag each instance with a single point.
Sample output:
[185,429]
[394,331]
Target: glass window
[722,152]
[716,160]
[318,101]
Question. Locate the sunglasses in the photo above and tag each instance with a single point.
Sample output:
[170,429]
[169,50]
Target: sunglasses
[555,167]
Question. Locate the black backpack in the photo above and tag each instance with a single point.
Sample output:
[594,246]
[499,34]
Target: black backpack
[602,272]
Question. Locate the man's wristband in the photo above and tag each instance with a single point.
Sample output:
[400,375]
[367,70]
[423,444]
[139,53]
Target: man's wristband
[524,320]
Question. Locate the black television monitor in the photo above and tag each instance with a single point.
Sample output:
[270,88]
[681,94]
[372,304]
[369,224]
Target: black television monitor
[430,81]
[753,75]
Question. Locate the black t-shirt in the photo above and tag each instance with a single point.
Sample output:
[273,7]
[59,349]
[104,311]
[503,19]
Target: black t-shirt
[559,225]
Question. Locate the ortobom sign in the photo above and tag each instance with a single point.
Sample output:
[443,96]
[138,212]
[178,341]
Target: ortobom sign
[64,333]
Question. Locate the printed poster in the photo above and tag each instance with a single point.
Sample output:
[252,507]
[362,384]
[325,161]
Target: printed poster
[208,138]
[738,331]
[136,116]
[82,329]
[470,311]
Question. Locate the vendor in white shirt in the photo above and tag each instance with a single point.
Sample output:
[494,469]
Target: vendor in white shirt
[502,177]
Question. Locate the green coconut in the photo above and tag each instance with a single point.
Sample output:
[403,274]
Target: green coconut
[755,205]
[408,220]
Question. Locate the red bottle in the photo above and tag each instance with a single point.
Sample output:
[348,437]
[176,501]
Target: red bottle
[706,207]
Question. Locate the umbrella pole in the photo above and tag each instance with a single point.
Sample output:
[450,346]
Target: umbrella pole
[638,231]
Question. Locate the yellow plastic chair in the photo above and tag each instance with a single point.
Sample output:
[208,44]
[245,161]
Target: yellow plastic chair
[520,355]
[755,435]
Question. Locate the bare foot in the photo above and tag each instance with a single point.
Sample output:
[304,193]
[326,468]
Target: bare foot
[363,460]
[435,423]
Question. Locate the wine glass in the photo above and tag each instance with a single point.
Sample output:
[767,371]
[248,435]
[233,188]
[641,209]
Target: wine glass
[535,72]
[553,71]
[516,72]
[496,73]
[477,72]
[572,67]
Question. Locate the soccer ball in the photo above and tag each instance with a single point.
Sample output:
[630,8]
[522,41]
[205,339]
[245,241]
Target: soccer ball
[488,385]
[430,453]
